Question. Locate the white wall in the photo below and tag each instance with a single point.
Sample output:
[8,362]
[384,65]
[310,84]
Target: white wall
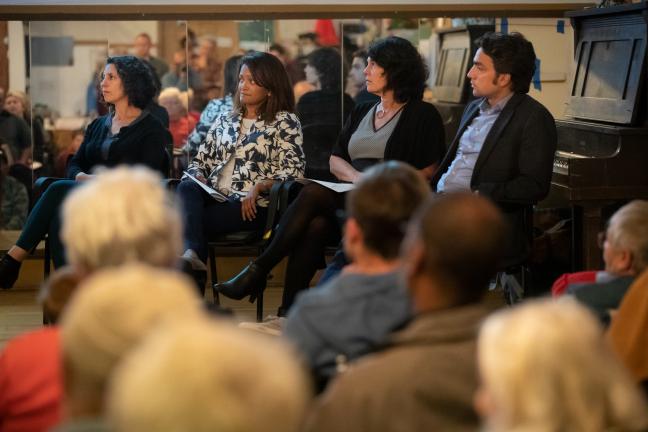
[555,51]
[63,88]
[16,53]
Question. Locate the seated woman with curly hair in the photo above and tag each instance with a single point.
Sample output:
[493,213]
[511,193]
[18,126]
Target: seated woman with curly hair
[243,154]
[128,134]
[399,127]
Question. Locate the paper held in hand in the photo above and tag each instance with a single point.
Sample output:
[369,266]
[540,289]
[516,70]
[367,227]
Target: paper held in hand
[211,191]
[335,187]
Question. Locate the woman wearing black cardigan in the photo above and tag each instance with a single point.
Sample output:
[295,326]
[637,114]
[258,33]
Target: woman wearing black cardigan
[400,127]
[129,134]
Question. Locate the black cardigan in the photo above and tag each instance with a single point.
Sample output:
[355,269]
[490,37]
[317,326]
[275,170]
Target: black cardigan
[418,138]
[144,142]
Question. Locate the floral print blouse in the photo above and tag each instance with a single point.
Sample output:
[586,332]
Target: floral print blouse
[270,151]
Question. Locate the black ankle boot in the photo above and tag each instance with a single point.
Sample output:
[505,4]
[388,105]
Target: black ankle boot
[9,270]
[251,281]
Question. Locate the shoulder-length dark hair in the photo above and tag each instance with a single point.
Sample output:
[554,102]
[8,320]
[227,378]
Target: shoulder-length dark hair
[328,64]
[269,73]
[137,80]
[405,70]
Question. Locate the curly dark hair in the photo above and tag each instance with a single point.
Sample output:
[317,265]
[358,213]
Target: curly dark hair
[405,70]
[156,81]
[511,54]
[137,79]
[269,73]
[328,64]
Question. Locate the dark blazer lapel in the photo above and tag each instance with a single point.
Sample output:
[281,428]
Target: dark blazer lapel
[496,131]
[452,150]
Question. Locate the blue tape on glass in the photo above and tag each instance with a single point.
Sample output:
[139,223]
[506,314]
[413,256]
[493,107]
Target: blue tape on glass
[536,76]
[504,26]
[560,26]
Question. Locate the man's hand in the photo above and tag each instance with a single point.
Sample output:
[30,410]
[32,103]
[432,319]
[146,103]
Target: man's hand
[428,171]
[83,176]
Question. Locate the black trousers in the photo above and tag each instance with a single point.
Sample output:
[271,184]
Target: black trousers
[308,226]
[205,218]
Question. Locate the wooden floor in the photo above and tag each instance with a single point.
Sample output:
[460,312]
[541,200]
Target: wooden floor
[20,312]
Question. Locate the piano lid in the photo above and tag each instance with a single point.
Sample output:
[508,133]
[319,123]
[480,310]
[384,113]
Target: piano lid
[609,63]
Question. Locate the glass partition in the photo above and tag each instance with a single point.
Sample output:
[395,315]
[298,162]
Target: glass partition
[17,126]
[59,64]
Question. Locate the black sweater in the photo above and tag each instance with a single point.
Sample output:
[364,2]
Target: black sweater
[145,142]
[319,106]
[418,138]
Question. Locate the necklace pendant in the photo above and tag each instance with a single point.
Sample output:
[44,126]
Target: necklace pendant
[380,114]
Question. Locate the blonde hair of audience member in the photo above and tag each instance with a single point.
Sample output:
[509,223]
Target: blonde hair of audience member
[205,376]
[111,313]
[17,103]
[626,240]
[123,215]
[175,102]
[546,367]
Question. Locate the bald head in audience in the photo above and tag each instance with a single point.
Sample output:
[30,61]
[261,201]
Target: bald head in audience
[209,376]
[426,372]
[110,314]
[452,250]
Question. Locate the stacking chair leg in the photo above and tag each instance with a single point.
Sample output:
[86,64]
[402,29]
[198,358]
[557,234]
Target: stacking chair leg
[259,302]
[46,260]
[214,275]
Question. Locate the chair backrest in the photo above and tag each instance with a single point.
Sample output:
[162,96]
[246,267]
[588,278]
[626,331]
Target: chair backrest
[319,139]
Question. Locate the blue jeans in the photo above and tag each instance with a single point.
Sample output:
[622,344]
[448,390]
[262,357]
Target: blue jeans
[45,218]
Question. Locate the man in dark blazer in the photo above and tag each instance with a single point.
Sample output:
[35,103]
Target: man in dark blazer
[506,141]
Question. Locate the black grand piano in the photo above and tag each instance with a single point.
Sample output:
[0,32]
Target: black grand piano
[602,156]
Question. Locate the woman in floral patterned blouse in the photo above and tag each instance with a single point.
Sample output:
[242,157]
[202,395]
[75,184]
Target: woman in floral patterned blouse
[399,126]
[244,153]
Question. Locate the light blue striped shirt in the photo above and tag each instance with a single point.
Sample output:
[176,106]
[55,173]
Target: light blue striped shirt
[457,177]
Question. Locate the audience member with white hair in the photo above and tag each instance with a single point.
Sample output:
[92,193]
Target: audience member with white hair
[176,103]
[625,253]
[112,312]
[122,216]
[545,366]
[205,376]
